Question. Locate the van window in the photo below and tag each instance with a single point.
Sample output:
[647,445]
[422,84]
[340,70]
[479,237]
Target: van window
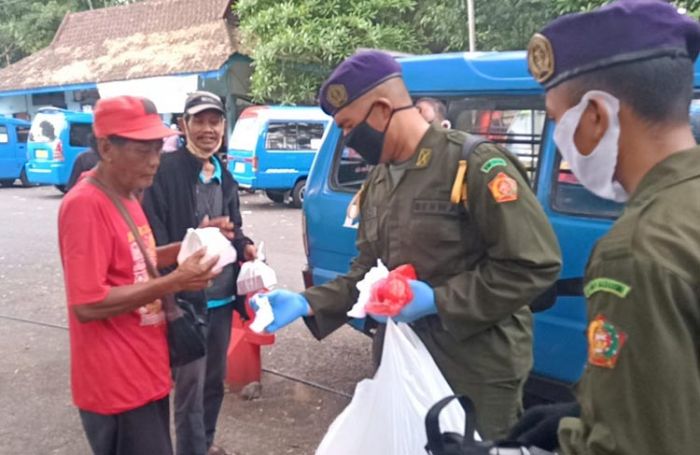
[288,136]
[80,134]
[22,134]
[46,127]
[350,169]
[4,136]
[570,197]
[245,134]
[515,122]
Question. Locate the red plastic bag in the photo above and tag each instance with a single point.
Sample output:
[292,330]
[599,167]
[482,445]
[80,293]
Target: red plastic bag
[389,295]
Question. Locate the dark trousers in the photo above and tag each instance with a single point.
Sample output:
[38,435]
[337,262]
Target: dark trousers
[141,431]
[199,388]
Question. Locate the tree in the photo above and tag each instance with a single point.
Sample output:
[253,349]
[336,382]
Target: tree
[295,43]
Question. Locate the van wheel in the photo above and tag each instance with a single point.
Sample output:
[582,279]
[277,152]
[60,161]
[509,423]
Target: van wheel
[275,196]
[61,188]
[25,181]
[298,194]
[6,183]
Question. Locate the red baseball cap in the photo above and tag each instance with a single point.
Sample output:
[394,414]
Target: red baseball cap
[130,117]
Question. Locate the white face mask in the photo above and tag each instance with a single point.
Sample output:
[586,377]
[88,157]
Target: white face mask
[595,171]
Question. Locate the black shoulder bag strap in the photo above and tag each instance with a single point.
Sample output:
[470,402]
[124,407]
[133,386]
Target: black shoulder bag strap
[471,143]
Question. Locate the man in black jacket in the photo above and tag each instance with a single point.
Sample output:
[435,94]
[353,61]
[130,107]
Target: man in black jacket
[193,189]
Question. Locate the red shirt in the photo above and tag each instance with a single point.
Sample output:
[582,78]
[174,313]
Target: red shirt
[119,363]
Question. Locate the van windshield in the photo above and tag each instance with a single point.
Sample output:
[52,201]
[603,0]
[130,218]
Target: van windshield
[46,127]
[245,134]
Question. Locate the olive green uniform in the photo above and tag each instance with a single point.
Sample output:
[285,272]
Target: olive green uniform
[640,392]
[486,262]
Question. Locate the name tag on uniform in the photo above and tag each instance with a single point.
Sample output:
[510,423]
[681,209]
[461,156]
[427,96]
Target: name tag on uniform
[436,207]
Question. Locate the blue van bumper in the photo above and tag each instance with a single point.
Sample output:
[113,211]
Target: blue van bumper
[47,172]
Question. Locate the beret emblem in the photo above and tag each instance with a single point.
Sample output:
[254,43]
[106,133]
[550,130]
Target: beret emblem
[540,58]
[337,95]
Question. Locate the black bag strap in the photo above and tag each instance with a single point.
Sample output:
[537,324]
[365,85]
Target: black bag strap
[432,423]
[152,270]
[471,143]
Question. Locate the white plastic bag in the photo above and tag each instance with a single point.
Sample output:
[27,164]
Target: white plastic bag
[387,413]
[214,240]
[255,276]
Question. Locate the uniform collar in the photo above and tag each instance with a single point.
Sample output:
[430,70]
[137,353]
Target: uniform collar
[217,172]
[422,156]
[675,169]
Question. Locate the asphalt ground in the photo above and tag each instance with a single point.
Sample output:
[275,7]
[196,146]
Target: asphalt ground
[37,414]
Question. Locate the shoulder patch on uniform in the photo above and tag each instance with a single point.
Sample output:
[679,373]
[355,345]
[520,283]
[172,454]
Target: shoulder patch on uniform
[493,163]
[424,157]
[608,285]
[604,342]
[503,188]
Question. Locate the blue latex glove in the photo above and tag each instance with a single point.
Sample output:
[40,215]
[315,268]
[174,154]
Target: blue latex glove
[423,303]
[287,307]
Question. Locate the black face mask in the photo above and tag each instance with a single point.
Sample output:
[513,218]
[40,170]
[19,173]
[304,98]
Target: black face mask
[367,141]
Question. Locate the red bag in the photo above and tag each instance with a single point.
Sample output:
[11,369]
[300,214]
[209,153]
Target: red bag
[389,295]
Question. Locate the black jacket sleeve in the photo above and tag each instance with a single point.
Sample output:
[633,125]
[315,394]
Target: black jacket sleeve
[156,209]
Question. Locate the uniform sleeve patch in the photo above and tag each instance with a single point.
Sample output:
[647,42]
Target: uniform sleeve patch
[606,285]
[604,342]
[492,164]
[504,188]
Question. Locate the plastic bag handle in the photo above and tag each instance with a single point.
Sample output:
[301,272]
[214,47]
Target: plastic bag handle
[432,422]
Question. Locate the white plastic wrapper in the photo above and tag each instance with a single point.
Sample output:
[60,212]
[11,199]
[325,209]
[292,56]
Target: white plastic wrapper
[255,276]
[387,413]
[215,242]
[263,316]
[364,286]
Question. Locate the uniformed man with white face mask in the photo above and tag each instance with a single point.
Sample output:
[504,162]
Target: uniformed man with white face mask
[619,83]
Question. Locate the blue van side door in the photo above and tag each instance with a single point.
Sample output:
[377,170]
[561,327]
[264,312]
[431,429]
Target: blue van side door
[13,149]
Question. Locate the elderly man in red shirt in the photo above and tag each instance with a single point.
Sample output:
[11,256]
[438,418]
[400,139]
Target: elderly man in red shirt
[120,371]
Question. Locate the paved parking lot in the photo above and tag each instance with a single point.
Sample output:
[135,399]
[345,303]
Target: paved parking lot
[38,416]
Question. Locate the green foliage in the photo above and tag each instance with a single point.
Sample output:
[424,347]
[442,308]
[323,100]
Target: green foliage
[296,43]
[509,24]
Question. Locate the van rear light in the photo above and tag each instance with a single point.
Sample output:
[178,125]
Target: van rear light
[58,152]
[253,162]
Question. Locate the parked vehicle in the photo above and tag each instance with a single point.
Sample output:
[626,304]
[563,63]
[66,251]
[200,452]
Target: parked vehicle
[13,150]
[272,148]
[493,95]
[56,138]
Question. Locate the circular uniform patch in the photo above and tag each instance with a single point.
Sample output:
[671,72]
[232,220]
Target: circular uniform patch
[604,342]
[337,95]
[540,58]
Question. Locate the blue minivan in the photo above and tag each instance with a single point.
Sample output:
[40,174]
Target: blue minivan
[492,95]
[56,138]
[272,148]
[13,150]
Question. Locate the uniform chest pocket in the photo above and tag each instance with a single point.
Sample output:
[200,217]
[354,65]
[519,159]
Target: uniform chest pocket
[370,224]
[436,221]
